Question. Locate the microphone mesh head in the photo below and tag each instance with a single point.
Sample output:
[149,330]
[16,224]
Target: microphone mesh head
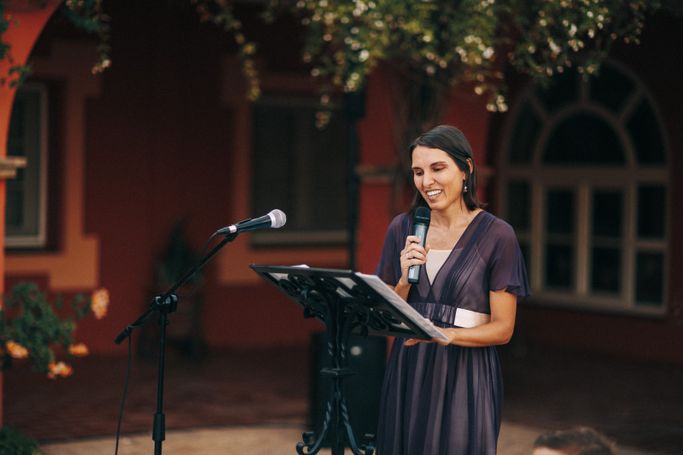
[422,215]
[278,218]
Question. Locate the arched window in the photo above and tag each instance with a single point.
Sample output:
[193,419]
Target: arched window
[584,183]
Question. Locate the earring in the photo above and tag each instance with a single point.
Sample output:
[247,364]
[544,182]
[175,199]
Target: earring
[464,190]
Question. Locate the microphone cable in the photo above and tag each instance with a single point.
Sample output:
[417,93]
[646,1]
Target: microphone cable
[129,364]
[125,394]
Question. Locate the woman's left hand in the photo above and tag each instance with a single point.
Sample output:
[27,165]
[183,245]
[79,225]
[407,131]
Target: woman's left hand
[497,331]
[450,333]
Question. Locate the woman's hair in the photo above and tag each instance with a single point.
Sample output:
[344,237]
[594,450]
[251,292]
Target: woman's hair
[577,441]
[452,141]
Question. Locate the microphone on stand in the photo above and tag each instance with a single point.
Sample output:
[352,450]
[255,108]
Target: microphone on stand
[273,220]
[420,226]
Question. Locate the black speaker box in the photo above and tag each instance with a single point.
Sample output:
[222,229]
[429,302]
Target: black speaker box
[366,358]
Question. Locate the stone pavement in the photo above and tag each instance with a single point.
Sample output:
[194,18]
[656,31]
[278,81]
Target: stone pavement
[514,440]
[235,401]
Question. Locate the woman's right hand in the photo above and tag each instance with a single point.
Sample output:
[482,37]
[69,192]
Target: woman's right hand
[412,254]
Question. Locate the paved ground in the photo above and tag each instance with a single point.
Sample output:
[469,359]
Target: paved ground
[257,402]
[514,440]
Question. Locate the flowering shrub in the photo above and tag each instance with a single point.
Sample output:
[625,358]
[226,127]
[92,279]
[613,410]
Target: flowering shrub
[427,47]
[33,328]
[439,43]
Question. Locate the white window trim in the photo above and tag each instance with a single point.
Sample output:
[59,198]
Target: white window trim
[584,179]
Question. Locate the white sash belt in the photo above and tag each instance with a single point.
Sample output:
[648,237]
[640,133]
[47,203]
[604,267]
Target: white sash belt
[468,318]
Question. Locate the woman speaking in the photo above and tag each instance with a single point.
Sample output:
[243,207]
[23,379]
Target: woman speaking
[445,398]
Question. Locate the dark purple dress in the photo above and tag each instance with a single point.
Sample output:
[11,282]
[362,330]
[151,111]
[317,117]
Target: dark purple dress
[446,400]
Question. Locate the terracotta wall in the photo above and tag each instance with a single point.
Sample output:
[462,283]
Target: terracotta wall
[163,138]
[164,135]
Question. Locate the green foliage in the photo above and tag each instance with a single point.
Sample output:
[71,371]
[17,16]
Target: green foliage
[560,34]
[221,14]
[445,42]
[15,443]
[430,43]
[29,319]
[4,25]
[87,15]
[428,46]
[346,40]
[16,73]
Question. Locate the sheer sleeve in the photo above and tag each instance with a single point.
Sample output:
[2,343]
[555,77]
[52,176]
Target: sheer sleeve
[389,267]
[507,270]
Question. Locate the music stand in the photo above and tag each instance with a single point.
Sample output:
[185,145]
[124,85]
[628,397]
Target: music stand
[346,302]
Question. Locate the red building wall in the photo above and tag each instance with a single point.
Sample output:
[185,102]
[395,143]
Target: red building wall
[167,137]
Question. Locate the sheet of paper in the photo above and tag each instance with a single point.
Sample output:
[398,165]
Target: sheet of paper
[390,295]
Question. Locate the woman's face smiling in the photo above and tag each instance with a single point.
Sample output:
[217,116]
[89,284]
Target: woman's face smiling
[436,176]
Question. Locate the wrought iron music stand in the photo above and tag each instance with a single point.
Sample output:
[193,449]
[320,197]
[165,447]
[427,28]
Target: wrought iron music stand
[346,302]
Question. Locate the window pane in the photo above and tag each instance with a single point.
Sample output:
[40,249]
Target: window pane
[607,213]
[18,125]
[651,211]
[329,183]
[519,205]
[559,266]
[560,228]
[560,211]
[24,205]
[526,133]
[299,168]
[14,213]
[646,135]
[610,88]
[649,278]
[606,271]
[524,246]
[274,141]
[583,139]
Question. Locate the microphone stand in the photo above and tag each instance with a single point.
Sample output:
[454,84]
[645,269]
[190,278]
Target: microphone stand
[164,304]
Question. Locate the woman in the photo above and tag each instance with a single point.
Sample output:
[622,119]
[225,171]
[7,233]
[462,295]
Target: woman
[445,398]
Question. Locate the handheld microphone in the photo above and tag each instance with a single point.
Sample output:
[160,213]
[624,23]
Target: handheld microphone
[273,220]
[420,226]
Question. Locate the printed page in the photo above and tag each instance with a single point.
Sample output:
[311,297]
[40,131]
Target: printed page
[397,302]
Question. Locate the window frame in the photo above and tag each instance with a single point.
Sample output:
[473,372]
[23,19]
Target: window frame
[584,180]
[39,240]
[299,237]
